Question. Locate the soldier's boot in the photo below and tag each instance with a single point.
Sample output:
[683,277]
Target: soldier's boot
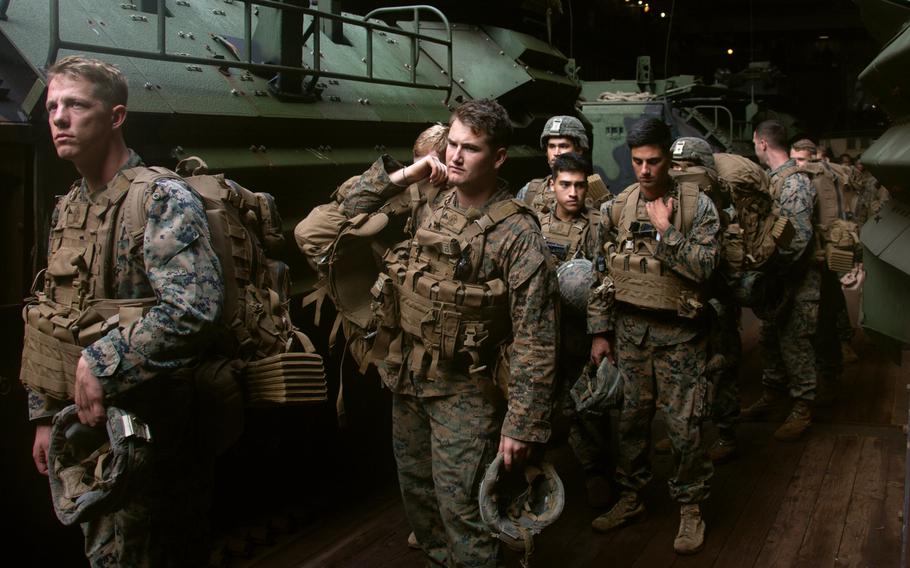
[847,353]
[797,422]
[412,541]
[623,512]
[769,402]
[691,535]
[599,491]
[724,448]
[662,446]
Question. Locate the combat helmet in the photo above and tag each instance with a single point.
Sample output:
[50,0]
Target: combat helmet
[518,506]
[576,277]
[692,149]
[90,468]
[565,126]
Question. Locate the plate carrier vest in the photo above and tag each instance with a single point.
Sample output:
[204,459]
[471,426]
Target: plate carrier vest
[639,278]
[566,239]
[439,302]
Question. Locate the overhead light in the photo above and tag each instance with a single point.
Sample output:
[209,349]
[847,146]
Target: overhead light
[647,8]
[640,2]
[823,37]
[729,51]
[663,14]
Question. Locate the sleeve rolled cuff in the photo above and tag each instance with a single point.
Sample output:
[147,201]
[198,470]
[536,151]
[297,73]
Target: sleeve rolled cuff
[525,429]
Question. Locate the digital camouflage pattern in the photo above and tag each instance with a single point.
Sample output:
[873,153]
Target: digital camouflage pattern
[537,194]
[439,481]
[663,357]
[788,329]
[165,523]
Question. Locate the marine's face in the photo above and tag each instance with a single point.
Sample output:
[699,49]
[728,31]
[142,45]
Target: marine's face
[470,159]
[652,168]
[557,145]
[82,125]
[801,156]
[570,189]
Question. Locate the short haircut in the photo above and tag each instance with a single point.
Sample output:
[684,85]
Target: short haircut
[774,133]
[847,156]
[433,138]
[570,162]
[488,117]
[650,132]
[110,85]
[804,144]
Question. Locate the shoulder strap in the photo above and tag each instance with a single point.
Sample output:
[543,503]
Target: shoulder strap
[629,212]
[534,187]
[688,204]
[135,215]
[618,203]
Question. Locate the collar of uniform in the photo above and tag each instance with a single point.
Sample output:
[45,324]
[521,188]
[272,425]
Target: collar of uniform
[788,164]
[133,161]
[672,192]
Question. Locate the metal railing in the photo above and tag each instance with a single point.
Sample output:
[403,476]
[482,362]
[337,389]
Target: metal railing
[246,61]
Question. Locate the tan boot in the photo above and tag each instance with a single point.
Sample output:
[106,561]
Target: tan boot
[624,511]
[599,491]
[662,446]
[847,353]
[691,535]
[412,541]
[770,400]
[723,449]
[797,422]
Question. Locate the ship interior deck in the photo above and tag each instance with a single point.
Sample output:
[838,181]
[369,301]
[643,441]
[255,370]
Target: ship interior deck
[832,499]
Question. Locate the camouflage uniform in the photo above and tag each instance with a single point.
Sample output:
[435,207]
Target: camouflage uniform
[446,428]
[542,197]
[788,328]
[166,523]
[663,357]
[589,433]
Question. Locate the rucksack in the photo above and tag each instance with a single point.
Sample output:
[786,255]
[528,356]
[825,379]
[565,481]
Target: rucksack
[275,363]
[759,230]
[836,236]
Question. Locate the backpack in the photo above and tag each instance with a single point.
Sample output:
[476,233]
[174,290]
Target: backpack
[758,230]
[273,361]
[836,234]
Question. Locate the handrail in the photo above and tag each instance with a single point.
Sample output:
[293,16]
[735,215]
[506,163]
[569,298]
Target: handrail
[161,54]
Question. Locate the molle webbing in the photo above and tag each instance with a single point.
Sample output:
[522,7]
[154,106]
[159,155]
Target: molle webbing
[640,279]
[566,239]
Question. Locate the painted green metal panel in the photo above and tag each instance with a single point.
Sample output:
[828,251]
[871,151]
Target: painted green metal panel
[885,299]
[887,75]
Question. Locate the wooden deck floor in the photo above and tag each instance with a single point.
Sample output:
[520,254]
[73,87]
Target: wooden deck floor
[832,499]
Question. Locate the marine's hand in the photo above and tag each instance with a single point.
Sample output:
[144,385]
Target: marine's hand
[659,213]
[515,452]
[89,395]
[602,346]
[40,447]
[428,167]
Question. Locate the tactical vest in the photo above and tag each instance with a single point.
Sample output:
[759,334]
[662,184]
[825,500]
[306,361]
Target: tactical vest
[568,239]
[639,278]
[835,237]
[434,297]
[539,196]
[75,307]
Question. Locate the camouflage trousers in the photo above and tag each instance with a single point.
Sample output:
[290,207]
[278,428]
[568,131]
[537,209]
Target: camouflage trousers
[787,337]
[442,447]
[725,350]
[672,379]
[165,523]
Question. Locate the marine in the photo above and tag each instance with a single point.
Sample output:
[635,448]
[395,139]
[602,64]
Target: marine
[470,297]
[560,135]
[571,230]
[790,317]
[647,315]
[172,277]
